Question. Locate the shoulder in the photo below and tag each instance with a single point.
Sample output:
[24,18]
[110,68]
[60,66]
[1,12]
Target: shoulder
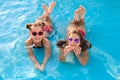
[46,41]
[28,41]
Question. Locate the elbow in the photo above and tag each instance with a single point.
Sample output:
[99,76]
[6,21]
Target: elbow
[62,58]
[84,62]
[49,54]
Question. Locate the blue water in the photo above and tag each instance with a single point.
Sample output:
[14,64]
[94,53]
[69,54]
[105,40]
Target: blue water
[103,31]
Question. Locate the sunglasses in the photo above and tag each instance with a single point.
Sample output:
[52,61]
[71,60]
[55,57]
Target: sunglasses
[37,33]
[76,40]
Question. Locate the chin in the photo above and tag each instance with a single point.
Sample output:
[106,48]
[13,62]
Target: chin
[38,40]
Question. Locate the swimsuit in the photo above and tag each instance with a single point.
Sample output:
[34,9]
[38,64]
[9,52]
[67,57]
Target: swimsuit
[33,45]
[48,28]
[82,32]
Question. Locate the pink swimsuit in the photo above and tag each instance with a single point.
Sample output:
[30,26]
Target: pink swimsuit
[48,28]
[82,32]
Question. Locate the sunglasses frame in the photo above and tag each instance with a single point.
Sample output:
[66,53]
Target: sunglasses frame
[74,40]
[36,33]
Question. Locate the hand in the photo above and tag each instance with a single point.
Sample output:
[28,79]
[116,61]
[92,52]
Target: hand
[77,51]
[42,67]
[67,50]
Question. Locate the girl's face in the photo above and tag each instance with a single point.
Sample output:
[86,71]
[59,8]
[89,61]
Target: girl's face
[73,40]
[36,34]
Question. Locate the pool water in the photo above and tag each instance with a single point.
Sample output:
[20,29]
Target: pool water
[103,31]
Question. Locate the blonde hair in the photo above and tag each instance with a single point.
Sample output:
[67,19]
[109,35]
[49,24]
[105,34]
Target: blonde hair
[37,24]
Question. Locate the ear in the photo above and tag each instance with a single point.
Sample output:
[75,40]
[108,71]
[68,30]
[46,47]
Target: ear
[28,26]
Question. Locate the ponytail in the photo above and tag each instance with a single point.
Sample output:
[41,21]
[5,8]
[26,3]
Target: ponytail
[85,45]
[61,43]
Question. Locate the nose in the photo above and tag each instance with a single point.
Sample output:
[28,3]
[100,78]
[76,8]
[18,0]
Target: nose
[72,42]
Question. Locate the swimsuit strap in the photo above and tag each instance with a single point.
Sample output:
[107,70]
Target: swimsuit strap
[30,46]
[33,45]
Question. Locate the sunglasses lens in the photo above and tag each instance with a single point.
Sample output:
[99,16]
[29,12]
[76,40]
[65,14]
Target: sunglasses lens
[77,40]
[40,33]
[70,39]
[34,33]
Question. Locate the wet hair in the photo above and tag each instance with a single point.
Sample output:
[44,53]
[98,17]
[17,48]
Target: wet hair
[62,43]
[37,24]
[84,43]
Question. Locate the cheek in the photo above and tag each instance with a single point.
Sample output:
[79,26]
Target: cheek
[30,34]
[78,44]
[72,43]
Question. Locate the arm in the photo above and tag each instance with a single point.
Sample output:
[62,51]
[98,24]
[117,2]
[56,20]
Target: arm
[47,47]
[62,56]
[64,52]
[31,54]
[83,59]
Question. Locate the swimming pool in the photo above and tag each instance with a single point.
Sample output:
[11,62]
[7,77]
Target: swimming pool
[102,24]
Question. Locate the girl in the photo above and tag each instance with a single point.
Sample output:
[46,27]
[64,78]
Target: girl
[39,30]
[75,39]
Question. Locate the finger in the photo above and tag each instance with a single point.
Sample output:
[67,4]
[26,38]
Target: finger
[79,49]
[75,51]
[68,47]
[78,52]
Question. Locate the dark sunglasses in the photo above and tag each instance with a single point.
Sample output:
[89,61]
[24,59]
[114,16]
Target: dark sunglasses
[76,40]
[37,33]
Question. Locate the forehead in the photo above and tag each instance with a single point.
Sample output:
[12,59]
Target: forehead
[73,36]
[36,28]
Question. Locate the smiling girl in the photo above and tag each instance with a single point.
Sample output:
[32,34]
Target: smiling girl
[75,41]
[39,30]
